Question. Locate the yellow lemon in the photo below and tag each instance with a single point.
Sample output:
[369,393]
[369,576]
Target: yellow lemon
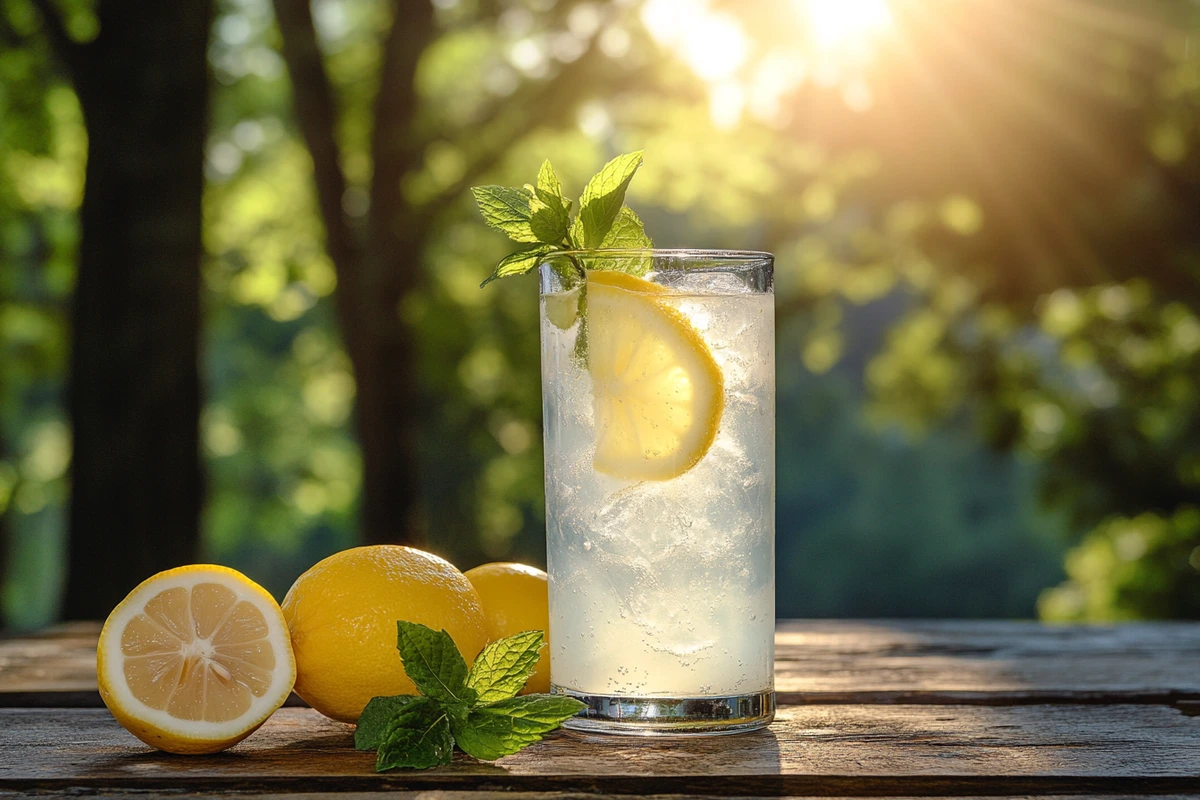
[515,598]
[195,659]
[658,393]
[342,614]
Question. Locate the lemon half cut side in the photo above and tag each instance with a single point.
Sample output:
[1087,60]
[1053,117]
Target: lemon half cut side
[195,659]
[658,393]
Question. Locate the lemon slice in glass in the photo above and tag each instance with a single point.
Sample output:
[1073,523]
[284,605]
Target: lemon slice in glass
[658,393]
[195,659]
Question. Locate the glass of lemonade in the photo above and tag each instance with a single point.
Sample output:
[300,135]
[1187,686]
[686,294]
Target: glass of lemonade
[659,402]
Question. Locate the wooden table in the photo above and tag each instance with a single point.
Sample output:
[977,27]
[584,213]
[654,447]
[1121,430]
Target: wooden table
[929,708]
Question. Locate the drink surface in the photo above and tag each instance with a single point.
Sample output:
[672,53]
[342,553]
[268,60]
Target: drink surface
[665,588]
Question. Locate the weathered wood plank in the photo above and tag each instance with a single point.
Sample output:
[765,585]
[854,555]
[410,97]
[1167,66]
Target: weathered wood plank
[59,659]
[985,661]
[822,662]
[822,750]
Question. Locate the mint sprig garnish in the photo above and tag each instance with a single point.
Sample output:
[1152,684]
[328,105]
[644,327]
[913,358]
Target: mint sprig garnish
[477,709]
[540,216]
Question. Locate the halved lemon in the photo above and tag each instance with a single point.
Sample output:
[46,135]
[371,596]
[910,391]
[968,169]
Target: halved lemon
[658,393]
[195,659]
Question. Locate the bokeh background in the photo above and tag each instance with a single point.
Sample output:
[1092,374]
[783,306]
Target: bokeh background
[240,317]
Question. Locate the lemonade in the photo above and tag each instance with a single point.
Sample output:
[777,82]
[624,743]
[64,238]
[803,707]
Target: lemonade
[660,480]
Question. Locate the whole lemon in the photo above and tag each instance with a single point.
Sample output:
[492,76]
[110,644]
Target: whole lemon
[516,598]
[342,615]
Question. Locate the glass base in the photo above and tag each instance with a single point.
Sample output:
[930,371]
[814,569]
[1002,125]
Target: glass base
[670,716]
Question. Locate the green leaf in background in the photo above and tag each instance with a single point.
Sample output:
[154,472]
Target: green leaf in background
[602,200]
[503,667]
[519,262]
[507,210]
[503,728]
[418,737]
[376,717]
[432,661]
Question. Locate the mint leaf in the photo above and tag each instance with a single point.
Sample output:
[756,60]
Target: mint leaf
[507,210]
[518,263]
[503,728]
[434,664]
[551,210]
[503,667]
[549,185]
[549,220]
[374,719]
[627,231]
[418,737]
[602,200]
[488,736]
[550,190]
[536,713]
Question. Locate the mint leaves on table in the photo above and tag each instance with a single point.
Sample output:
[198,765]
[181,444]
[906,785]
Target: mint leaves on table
[540,217]
[477,709]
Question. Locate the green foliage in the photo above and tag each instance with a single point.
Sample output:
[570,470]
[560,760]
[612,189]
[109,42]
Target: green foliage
[602,200]
[541,214]
[509,726]
[510,211]
[502,668]
[42,154]
[433,663]
[420,732]
[1145,567]
[376,717]
[418,736]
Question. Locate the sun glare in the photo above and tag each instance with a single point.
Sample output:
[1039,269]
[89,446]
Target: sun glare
[835,24]
[826,41]
[713,44]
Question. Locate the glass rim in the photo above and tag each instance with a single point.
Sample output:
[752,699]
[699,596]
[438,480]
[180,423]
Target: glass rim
[665,266]
[682,253]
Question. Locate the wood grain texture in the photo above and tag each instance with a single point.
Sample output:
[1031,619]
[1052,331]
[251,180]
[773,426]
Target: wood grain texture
[897,750]
[54,667]
[820,662]
[985,662]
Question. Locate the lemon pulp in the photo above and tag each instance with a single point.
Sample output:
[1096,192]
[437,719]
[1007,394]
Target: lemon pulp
[658,393]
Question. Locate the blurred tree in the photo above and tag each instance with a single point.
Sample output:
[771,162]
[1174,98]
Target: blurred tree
[141,76]
[377,250]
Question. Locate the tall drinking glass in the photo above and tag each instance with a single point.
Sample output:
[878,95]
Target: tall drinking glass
[658,397]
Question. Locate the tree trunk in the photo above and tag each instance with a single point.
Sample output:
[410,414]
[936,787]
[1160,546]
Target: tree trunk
[134,385]
[386,413]
[379,263]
